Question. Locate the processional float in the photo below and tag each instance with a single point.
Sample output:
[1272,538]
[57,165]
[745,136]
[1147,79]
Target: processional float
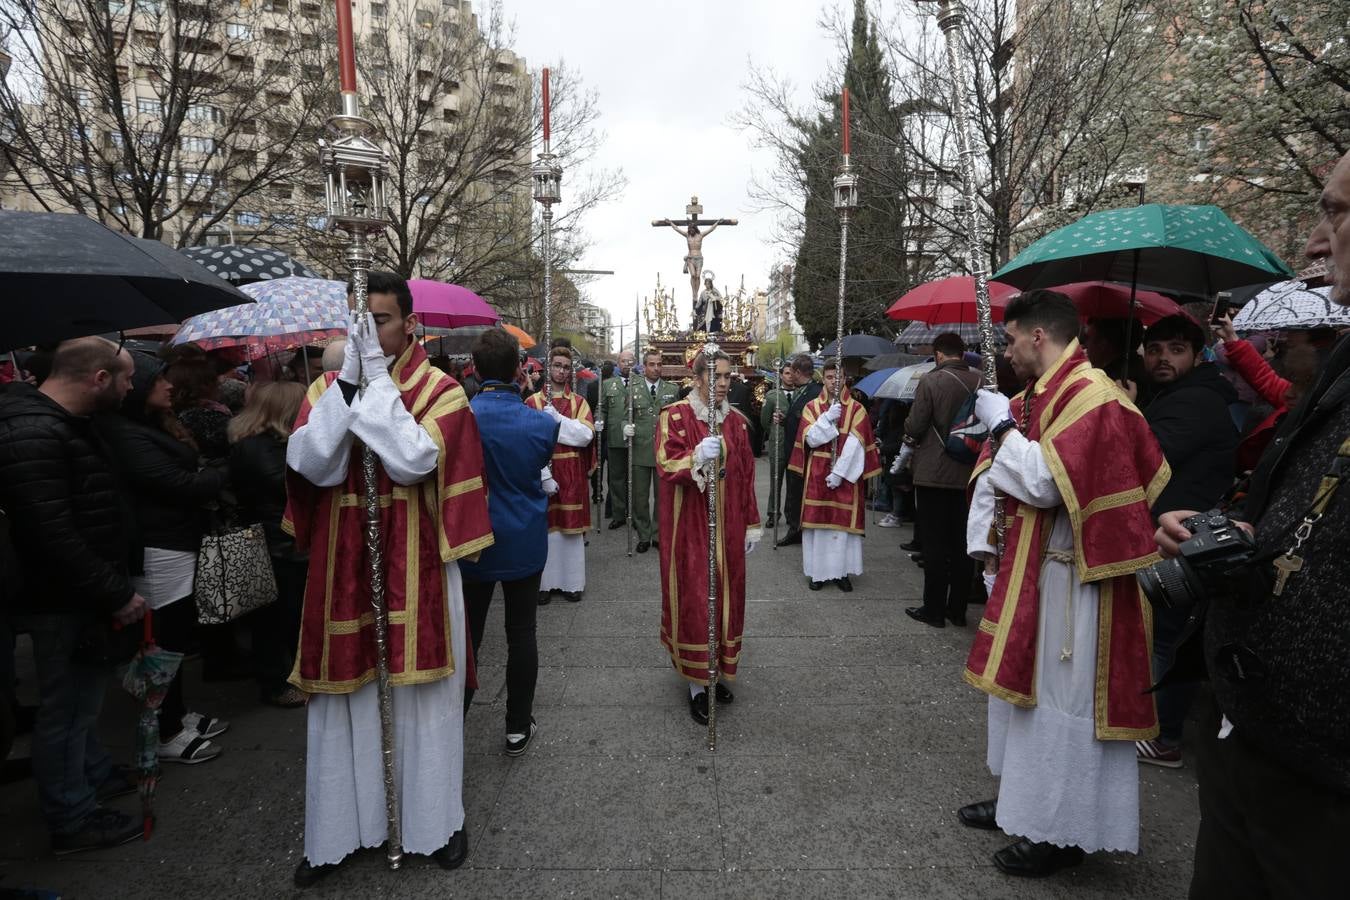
[355,168]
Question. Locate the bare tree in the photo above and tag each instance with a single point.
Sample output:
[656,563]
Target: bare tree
[165,118]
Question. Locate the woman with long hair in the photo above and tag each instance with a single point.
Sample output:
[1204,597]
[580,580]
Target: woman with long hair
[258,437]
[169,491]
[196,400]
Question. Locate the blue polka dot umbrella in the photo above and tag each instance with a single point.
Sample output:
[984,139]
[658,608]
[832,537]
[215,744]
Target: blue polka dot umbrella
[241,265]
[288,313]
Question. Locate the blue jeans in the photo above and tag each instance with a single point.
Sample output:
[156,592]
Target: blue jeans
[69,763]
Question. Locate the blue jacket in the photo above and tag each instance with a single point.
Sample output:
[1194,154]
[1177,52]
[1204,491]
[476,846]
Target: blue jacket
[517,443]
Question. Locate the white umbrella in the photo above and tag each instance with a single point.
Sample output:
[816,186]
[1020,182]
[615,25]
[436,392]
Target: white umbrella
[1292,304]
[905,382]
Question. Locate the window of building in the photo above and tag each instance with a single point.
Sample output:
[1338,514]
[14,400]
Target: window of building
[310,10]
[147,38]
[239,31]
[377,10]
[284,220]
[1202,140]
[426,18]
[149,106]
[201,112]
[318,223]
[197,144]
[248,219]
[275,6]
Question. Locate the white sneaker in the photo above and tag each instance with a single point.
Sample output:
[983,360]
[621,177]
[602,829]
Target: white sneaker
[890,520]
[204,726]
[187,747]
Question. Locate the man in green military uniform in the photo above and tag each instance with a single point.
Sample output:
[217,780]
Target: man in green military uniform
[612,416]
[777,442]
[650,394]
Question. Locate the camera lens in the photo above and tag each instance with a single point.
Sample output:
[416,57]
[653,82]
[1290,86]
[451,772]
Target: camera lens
[1171,583]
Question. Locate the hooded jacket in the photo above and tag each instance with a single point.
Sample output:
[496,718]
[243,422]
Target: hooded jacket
[168,491]
[1190,419]
[69,524]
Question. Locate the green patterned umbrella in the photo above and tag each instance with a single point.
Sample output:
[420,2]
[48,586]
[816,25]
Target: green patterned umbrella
[1191,250]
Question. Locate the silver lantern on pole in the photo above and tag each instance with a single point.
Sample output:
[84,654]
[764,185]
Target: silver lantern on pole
[547,177]
[845,201]
[355,169]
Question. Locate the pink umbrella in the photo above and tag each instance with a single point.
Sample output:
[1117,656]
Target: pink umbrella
[442,305]
[949,300]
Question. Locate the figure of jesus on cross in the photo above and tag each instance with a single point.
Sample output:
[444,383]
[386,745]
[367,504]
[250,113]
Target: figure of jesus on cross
[693,261]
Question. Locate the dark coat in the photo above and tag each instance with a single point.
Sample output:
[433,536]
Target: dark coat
[258,473]
[803,395]
[71,527]
[168,491]
[936,403]
[1190,419]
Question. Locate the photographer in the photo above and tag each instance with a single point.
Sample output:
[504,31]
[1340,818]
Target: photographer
[1275,755]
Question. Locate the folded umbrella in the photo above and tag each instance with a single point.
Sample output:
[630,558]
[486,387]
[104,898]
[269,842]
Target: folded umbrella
[147,678]
[442,305]
[68,276]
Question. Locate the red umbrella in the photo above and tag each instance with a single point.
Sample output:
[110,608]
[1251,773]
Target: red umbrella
[1109,300]
[442,305]
[949,300]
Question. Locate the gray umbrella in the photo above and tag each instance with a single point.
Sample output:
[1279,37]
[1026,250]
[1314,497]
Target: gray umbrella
[865,345]
[67,276]
[238,264]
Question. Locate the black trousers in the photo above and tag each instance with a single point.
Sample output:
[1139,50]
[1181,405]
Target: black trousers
[792,501]
[276,627]
[522,648]
[947,570]
[1265,831]
[173,625]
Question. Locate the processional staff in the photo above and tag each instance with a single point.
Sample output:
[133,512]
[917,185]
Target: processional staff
[949,16]
[710,351]
[547,176]
[355,168]
[845,201]
[628,436]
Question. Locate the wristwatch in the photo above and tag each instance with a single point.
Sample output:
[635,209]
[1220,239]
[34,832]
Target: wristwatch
[1002,428]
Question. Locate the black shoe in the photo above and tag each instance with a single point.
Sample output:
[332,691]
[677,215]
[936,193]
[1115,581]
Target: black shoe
[911,547]
[520,745]
[572,596]
[1036,859]
[121,781]
[698,707]
[817,585]
[844,584]
[724,694]
[643,546]
[102,828]
[770,521]
[917,559]
[916,613]
[792,537]
[616,524]
[958,621]
[307,875]
[455,851]
[979,815]
[545,598]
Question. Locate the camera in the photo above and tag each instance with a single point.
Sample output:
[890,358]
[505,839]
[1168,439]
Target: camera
[1215,548]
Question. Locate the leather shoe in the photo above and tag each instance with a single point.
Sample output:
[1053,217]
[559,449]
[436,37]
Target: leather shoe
[698,707]
[643,546]
[911,547]
[979,815]
[572,596]
[455,851]
[724,694]
[792,537]
[545,598]
[307,875]
[958,621]
[916,613]
[844,584]
[1036,859]
[817,585]
[616,524]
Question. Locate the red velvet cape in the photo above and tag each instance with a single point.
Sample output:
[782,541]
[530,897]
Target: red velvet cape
[569,510]
[423,526]
[841,509]
[1109,469]
[684,539]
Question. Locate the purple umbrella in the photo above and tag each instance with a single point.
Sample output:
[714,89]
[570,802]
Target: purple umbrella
[442,305]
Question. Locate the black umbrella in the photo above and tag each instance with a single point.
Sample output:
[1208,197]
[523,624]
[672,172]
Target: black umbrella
[238,264]
[67,276]
[860,345]
[892,361]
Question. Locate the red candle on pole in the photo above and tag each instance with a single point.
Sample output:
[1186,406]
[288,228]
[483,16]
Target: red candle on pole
[346,47]
[546,122]
[846,141]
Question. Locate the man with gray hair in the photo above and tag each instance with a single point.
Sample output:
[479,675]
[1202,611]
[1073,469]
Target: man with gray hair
[333,355]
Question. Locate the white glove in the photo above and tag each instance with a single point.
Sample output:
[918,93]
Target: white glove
[550,487]
[364,337]
[708,449]
[989,578]
[553,412]
[834,413]
[992,408]
[351,363]
[629,430]
[599,424]
[749,547]
[902,459]
[832,481]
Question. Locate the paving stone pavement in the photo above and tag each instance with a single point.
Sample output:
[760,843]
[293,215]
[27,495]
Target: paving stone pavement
[839,767]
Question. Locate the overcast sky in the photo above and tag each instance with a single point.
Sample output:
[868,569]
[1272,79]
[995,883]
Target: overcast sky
[670,75]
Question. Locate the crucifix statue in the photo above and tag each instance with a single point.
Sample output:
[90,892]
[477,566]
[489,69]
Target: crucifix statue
[693,260]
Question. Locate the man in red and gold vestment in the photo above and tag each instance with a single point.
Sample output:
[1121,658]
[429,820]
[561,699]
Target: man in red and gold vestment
[1063,650]
[574,459]
[434,511]
[688,455]
[833,491]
